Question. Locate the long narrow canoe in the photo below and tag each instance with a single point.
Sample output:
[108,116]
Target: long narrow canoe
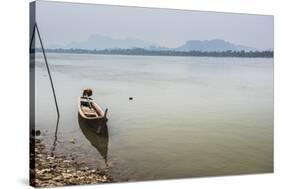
[88,109]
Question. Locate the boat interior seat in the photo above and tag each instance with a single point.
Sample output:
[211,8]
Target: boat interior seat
[88,111]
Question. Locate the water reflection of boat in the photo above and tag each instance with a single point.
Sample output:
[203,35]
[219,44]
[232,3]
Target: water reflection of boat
[96,134]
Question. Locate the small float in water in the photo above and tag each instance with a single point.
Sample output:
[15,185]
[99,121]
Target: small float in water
[89,109]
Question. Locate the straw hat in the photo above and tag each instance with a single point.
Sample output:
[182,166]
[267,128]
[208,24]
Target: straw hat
[87,92]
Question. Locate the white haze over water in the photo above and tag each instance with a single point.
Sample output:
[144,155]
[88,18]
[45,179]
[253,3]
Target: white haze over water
[64,23]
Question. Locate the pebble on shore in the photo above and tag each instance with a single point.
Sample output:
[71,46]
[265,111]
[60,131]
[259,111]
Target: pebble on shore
[51,170]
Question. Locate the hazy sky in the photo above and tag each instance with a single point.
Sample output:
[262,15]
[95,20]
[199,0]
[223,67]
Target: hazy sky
[63,23]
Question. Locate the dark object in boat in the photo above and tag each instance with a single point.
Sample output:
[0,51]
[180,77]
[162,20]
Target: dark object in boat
[96,134]
[130,98]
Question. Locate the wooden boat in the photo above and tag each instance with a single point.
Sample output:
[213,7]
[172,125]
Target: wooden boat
[88,109]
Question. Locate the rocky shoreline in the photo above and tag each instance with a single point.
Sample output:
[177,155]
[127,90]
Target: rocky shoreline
[48,170]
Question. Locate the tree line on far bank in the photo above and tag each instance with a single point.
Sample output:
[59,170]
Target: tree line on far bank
[145,52]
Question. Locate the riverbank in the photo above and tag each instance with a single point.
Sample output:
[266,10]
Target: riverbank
[51,170]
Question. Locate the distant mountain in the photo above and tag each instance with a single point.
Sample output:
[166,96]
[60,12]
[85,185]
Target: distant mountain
[158,48]
[100,42]
[218,45]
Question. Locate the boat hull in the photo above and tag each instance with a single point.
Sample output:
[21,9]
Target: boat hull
[95,113]
[96,134]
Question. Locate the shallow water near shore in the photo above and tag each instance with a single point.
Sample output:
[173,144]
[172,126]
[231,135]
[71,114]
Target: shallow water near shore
[189,117]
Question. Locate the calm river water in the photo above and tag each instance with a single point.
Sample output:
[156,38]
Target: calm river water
[189,117]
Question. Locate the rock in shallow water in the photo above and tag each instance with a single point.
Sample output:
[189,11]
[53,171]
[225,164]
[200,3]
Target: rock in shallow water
[72,141]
